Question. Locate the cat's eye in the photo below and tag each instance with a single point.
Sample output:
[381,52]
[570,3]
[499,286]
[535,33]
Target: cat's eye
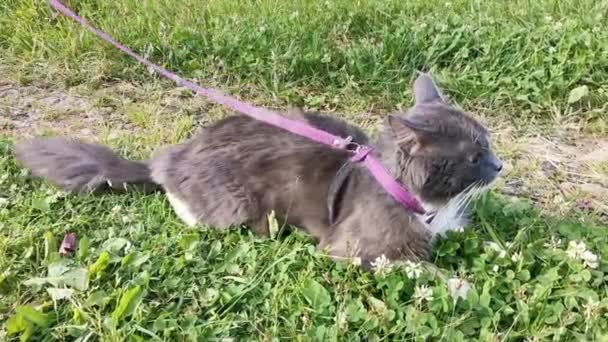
[474,159]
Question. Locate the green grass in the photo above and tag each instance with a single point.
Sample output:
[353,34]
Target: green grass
[139,274]
[145,276]
[521,58]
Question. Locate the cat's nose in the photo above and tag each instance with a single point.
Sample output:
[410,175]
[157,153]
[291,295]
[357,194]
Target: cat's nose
[497,163]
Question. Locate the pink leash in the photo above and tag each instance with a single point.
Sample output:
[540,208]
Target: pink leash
[362,153]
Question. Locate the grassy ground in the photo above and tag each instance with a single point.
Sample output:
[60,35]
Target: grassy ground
[535,71]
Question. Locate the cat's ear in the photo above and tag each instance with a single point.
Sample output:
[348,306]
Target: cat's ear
[426,91]
[410,133]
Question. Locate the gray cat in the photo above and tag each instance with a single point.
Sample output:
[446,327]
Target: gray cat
[236,171]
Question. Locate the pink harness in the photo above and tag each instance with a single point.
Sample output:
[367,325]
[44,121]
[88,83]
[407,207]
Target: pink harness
[361,152]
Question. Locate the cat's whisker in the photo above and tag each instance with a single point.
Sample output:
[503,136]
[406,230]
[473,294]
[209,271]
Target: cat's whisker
[472,194]
[453,214]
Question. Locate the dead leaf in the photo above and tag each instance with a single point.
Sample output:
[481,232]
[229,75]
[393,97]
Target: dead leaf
[584,205]
[68,245]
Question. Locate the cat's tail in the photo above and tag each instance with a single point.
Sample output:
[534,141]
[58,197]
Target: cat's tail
[76,166]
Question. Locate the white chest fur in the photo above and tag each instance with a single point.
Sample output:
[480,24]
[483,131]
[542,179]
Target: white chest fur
[452,215]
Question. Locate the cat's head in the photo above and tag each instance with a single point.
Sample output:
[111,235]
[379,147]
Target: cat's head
[442,151]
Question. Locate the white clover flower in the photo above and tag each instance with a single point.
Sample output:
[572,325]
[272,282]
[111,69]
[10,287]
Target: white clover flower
[458,288]
[381,264]
[516,257]
[555,243]
[356,261]
[590,259]
[578,250]
[572,253]
[591,309]
[575,249]
[495,268]
[423,293]
[412,270]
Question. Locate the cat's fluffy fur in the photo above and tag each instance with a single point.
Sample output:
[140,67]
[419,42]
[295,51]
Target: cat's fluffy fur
[237,170]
